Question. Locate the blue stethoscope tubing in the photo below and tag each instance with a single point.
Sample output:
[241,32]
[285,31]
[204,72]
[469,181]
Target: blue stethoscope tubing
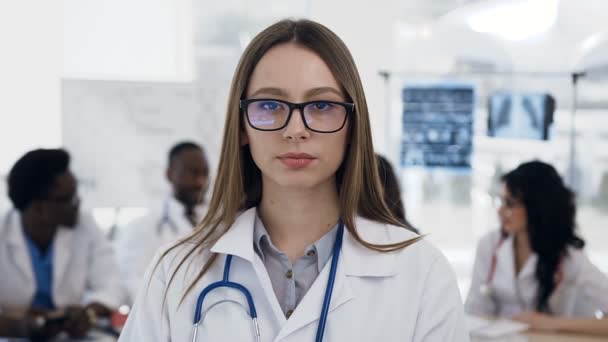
[225,282]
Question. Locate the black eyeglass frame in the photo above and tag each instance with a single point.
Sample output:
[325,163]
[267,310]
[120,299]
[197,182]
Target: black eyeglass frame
[348,106]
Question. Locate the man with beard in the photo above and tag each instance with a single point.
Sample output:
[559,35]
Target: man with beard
[188,175]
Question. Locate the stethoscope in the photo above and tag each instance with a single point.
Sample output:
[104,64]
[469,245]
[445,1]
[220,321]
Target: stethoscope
[486,289]
[225,282]
[165,220]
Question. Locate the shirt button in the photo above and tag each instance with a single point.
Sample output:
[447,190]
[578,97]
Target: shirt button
[289,274]
[288,313]
[311,253]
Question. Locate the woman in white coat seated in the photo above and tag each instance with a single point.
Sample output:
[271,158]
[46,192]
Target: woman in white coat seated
[298,243]
[535,269]
[58,271]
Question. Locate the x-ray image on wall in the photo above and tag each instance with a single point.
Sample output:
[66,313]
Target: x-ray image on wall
[520,115]
[437,125]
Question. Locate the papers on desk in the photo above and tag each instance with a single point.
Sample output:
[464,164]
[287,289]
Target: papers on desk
[485,328]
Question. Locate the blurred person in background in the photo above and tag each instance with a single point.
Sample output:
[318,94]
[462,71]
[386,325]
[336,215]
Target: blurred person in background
[534,269]
[59,272]
[392,192]
[188,174]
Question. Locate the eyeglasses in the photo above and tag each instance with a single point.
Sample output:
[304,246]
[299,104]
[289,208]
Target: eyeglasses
[318,116]
[507,202]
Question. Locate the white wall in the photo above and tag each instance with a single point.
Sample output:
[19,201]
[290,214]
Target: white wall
[128,40]
[30,70]
[368,32]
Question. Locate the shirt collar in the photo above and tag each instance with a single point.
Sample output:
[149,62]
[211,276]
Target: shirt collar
[259,233]
[323,248]
[36,254]
[358,260]
[177,209]
[237,238]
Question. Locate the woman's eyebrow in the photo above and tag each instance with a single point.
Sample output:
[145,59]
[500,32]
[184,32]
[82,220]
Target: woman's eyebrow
[323,90]
[309,93]
[269,90]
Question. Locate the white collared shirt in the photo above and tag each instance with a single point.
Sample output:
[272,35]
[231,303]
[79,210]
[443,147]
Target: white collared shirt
[137,243]
[582,291]
[408,295]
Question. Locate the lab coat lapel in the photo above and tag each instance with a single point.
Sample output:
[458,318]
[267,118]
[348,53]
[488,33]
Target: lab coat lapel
[18,248]
[505,263]
[527,271]
[63,249]
[269,294]
[355,261]
[177,215]
[309,309]
[238,241]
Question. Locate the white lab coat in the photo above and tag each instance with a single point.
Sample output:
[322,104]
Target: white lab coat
[583,290]
[84,266]
[409,295]
[137,242]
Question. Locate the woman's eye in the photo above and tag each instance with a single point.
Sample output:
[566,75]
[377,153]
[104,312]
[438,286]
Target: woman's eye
[269,105]
[322,105]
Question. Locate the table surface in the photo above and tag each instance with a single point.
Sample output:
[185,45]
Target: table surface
[92,337]
[527,337]
[543,337]
[538,337]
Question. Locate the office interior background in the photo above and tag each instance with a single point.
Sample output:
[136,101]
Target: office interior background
[118,82]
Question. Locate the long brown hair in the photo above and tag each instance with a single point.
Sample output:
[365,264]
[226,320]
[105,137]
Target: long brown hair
[239,183]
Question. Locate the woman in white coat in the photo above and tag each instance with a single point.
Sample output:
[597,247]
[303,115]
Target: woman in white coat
[297,219]
[534,269]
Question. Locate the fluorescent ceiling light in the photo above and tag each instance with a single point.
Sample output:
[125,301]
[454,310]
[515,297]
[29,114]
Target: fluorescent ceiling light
[516,21]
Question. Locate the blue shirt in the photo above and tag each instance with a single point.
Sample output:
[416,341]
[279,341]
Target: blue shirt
[43,271]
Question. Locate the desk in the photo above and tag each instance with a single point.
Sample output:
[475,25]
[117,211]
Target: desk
[538,337]
[92,337]
[542,337]
[478,328]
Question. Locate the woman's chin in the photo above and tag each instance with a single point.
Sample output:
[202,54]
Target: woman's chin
[300,182]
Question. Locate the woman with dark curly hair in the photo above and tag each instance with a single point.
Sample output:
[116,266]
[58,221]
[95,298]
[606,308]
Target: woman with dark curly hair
[534,268]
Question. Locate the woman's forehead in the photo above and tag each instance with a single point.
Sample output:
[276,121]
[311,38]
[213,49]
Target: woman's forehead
[293,70]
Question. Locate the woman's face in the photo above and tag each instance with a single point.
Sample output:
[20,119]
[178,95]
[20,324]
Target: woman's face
[295,156]
[512,212]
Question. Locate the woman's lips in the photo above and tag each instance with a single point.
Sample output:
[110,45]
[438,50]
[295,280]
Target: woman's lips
[296,160]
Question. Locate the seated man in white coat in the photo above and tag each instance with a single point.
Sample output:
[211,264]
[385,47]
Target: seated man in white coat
[188,175]
[58,270]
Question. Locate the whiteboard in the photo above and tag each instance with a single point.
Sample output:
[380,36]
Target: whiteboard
[119,134]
